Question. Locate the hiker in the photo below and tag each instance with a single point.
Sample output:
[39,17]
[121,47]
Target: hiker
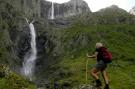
[102,60]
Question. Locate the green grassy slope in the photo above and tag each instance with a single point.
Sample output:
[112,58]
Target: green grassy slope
[120,41]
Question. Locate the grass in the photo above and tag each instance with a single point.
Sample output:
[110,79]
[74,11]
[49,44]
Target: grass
[79,40]
[121,73]
[119,39]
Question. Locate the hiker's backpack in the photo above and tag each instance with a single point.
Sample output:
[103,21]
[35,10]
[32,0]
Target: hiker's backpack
[105,55]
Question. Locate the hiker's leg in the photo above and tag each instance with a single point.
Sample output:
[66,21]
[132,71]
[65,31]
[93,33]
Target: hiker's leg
[96,70]
[94,73]
[105,76]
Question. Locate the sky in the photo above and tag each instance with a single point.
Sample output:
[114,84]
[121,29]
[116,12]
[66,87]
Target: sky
[96,5]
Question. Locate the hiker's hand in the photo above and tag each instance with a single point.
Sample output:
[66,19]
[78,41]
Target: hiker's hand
[93,56]
[88,55]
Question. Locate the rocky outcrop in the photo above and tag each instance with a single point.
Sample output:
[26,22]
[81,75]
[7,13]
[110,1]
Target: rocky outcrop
[132,11]
[30,8]
[84,86]
[42,8]
[71,8]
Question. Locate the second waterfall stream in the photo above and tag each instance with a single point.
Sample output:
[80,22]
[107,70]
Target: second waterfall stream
[52,11]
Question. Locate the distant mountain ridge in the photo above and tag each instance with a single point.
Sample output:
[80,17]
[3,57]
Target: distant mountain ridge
[111,15]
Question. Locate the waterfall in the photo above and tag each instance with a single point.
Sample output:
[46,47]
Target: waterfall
[30,57]
[52,11]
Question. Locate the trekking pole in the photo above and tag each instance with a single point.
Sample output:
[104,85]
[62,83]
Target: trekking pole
[86,71]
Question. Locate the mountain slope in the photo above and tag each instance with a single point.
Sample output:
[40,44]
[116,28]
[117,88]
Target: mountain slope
[113,15]
[80,39]
[72,43]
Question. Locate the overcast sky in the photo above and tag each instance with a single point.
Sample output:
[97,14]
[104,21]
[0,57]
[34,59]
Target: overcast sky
[95,5]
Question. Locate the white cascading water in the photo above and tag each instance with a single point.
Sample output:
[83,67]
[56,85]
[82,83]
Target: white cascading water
[30,57]
[52,11]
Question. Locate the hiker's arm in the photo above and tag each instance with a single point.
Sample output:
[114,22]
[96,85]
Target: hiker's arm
[92,56]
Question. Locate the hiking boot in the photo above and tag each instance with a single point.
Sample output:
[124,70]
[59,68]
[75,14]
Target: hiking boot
[98,83]
[107,86]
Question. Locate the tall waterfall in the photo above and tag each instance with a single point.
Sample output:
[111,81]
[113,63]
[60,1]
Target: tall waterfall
[52,11]
[30,57]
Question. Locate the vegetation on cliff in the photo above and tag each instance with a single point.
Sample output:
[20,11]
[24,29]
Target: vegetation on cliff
[11,80]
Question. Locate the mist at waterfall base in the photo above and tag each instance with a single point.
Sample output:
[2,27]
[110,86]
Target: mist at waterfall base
[30,57]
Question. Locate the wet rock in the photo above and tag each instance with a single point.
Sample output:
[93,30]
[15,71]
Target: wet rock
[85,87]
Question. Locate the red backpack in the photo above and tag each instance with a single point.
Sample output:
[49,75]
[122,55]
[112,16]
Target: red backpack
[105,55]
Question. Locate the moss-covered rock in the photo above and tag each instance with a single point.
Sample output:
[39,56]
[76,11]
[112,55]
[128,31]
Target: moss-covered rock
[10,80]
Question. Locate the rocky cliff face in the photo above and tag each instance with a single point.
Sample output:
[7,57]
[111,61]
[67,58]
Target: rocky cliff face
[31,7]
[43,8]
[12,15]
[71,8]
[15,30]
[132,11]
